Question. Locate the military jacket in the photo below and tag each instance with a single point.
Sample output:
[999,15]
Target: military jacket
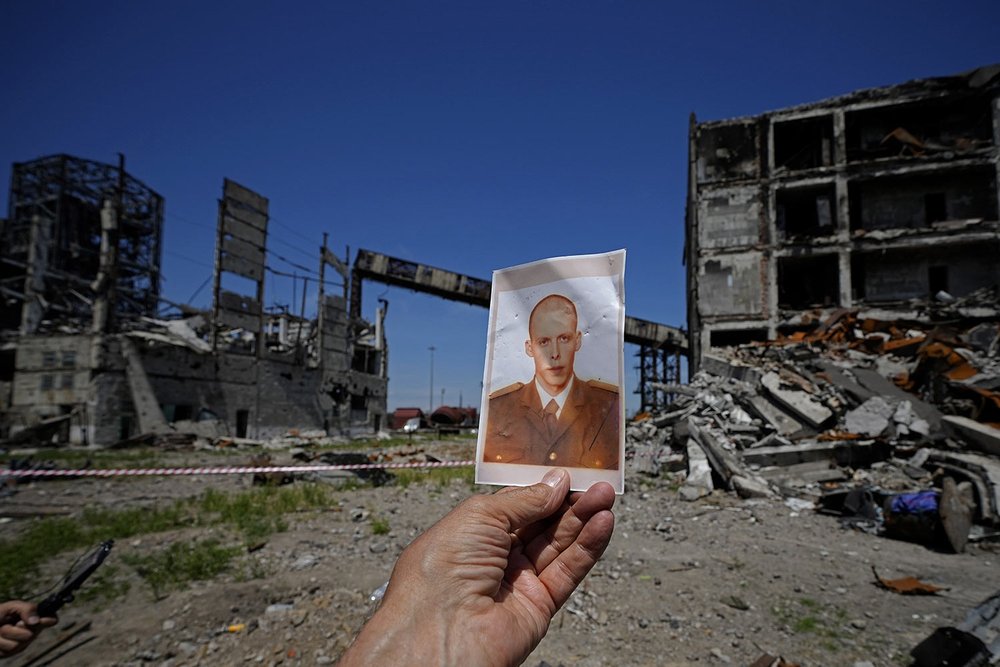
[585,436]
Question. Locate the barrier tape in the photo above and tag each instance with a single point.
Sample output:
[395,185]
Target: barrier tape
[227,470]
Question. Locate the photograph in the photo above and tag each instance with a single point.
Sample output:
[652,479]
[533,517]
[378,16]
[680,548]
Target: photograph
[553,378]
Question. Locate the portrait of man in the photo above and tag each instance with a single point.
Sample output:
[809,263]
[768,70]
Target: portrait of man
[554,418]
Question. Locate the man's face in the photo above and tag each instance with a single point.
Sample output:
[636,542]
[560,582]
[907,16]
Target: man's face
[552,343]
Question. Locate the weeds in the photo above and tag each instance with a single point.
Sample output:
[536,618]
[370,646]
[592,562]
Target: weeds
[104,586]
[180,563]
[439,476]
[380,526]
[46,538]
[253,514]
[810,617]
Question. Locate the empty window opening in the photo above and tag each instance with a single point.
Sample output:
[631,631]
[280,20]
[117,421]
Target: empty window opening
[857,278]
[48,359]
[805,212]
[730,337]
[803,144]
[124,427]
[242,422]
[915,201]
[365,359]
[727,152]
[66,381]
[48,382]
[919,130]
[807,282]
[935,207]
[937,279]
[69,358]
[7,365]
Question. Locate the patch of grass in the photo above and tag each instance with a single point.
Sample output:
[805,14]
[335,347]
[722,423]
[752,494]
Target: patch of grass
[45,538]
[258,513]
[103,587]
[182,562]
[438,476]
[809,616]
[380,526]
[806,624]
[254,514]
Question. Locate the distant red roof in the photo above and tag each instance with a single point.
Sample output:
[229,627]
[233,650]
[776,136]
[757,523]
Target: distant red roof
[401,415]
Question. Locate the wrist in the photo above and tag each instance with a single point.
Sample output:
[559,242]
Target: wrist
[401,636]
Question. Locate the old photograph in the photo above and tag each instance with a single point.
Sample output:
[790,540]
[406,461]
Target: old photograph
[553,376]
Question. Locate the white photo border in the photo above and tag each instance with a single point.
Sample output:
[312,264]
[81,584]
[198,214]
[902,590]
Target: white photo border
[535,280]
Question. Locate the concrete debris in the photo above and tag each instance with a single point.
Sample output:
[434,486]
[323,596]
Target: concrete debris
[848,403]
[871,418]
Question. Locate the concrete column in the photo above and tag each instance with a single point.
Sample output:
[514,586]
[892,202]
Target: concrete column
[34,281]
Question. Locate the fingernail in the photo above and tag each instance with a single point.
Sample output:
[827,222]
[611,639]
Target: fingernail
[553,477]
[33,620]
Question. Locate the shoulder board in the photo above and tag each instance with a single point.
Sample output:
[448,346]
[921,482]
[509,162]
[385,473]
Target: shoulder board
[506,390]
[606,386]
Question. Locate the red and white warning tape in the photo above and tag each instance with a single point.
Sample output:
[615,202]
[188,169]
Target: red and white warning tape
[226,470]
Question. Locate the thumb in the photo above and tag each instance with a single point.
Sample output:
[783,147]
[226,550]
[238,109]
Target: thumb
[526,505]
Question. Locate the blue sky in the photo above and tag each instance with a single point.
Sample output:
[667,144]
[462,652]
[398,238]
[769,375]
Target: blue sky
[466,135]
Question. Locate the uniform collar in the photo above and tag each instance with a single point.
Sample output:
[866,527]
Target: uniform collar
[560,399]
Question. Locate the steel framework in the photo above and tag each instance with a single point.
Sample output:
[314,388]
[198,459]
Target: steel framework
[660,346]
[50,245]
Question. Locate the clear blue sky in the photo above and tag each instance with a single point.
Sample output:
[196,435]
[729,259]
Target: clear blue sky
[466,135]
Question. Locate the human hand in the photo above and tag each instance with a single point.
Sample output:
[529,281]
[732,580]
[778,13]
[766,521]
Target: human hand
[480,587]
[19,625]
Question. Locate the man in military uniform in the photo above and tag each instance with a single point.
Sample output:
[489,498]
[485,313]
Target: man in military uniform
[556,418]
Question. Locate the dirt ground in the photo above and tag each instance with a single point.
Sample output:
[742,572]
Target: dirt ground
[716,581]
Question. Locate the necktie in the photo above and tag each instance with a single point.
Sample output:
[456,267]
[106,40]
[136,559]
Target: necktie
[550,416]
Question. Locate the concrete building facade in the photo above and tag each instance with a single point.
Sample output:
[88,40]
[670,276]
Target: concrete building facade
[878,198]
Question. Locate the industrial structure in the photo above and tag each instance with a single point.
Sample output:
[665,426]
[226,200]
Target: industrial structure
[87,357]
[661,346]
[84,359]
[882,198]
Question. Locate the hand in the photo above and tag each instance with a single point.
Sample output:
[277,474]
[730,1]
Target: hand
[19,625]
[480,587]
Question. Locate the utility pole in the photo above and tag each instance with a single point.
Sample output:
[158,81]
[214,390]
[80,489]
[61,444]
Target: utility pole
[430,409]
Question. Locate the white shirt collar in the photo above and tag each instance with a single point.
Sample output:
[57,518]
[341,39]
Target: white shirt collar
[560,399]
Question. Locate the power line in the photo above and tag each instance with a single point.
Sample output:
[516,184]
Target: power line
[188,259]
[297,276]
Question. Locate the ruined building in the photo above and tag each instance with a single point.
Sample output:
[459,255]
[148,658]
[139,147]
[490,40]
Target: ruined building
[881,198]
[84,357]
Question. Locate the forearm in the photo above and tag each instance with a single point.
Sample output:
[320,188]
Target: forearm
[392,637]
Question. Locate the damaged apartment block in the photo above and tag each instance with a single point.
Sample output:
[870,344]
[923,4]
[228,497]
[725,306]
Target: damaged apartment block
[88,358]
[881,198]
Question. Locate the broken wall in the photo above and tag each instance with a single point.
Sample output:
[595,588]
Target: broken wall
[51,378]
[730,218]
[259,402]
[731,285]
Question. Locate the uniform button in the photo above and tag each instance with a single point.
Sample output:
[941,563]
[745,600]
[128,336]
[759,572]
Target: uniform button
[552,456]
[499,457]
[598,464]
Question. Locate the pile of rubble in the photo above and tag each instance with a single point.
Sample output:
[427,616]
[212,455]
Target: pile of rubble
[848,403]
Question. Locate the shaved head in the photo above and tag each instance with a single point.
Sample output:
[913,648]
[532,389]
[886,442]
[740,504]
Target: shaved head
[553,341]
[553,303]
